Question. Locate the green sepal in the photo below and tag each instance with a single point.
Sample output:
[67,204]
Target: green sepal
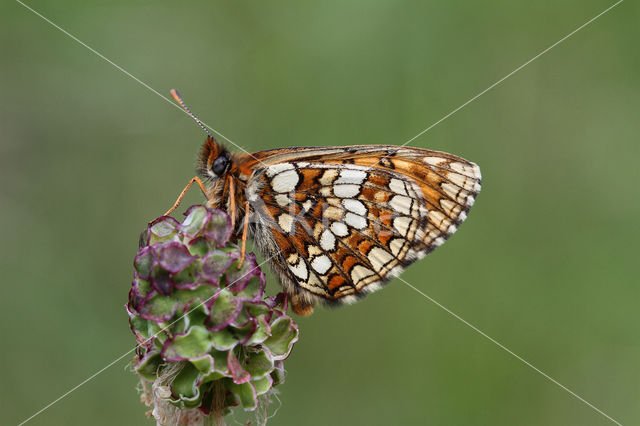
[159,307]
[258,364]
[196,295]
[220,362]
[187,275]
[224,310]
[195,343]
[199,247]
[241,319]
[157,330]
[237,278]
[195,221]
[143,263]
[162,231]
[184,387]
[143,287]
[251,291]
[218,230]
[245,394]
[140,326]
[278,373]
[215,263]
[282,338]
[220,367]
[148,366]
[262,385]
[256,309]
[204,364]
[223,340]
[196,314]
[243,333]
[261,333]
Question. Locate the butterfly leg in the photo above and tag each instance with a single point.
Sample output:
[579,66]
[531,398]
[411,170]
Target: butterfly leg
[232,204]
[245,229]
[197,180]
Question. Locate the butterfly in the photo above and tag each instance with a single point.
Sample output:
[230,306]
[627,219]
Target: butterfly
[336,223]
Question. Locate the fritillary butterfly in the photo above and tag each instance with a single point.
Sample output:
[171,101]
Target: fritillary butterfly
[338,222]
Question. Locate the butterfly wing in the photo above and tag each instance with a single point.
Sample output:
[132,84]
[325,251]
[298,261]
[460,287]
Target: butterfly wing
[339,222]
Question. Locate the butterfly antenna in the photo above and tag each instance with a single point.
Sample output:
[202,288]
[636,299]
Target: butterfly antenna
[179,100]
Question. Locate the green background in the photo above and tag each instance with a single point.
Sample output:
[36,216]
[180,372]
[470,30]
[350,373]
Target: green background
[546,263]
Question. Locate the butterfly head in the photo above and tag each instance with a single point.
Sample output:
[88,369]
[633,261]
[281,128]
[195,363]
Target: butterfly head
[214,161]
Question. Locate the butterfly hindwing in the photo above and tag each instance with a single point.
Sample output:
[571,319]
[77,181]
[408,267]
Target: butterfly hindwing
[342,222]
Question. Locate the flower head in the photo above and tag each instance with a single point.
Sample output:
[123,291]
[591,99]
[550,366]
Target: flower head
[208,338]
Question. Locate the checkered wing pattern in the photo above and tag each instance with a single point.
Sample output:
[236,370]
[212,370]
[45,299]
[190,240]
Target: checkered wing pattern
[341,222]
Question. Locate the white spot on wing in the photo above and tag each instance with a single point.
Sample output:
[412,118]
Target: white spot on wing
[277,168]
[328,177]
[471,170]
[439,219]
[401,204]
[355,221]
[359,272]
[315,282]
[401,224]
[285,181]
[286,222]
[352,176]
[346,191]
[379,258]
[355,206]
[450,208]
[300,270]
[397,186]
[476,170]
[321,264]
[453,191]
[314,250]
[459,180]
[327,240]
[332,213]
[339,229]
[396,245]
[434,161]
[282,200]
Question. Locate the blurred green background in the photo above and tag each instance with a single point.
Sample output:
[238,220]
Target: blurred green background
[546,263]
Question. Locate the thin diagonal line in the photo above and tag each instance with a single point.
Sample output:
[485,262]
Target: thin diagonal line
[407,142]
[512,73]
[128,74]
[115,361]
[509,351]
[88,379]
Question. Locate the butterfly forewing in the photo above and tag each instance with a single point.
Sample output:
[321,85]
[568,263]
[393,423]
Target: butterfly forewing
[342,221]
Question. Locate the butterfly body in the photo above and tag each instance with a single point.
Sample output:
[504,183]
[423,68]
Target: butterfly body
[336,223]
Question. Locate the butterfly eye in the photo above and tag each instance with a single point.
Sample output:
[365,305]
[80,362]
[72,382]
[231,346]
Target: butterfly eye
[220,165]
